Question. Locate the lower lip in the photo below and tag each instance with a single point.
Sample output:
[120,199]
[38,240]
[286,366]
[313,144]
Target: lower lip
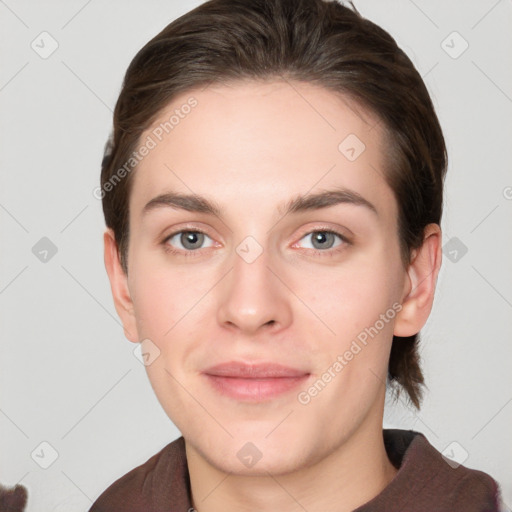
[254,390]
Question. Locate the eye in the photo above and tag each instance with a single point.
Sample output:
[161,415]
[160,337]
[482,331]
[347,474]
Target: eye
[187,241]
[323,240]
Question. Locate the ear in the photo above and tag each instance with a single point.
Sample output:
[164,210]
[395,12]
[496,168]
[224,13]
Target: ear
[420,284]
[119,286]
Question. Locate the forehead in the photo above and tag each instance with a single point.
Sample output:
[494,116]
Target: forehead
[259,143]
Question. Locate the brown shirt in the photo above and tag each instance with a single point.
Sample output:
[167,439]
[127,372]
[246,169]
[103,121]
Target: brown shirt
[425,482]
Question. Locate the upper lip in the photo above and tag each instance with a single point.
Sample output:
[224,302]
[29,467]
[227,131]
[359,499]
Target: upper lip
[254,370]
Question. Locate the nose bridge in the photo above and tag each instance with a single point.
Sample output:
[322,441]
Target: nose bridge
[252,295]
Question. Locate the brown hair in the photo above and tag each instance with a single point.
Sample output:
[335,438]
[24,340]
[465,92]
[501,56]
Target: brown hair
[315,41]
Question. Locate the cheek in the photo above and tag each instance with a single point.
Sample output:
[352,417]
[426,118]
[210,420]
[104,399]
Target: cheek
[173,310]
[352,296]
[155,305]
[358,303]
[163,294]
[164,302]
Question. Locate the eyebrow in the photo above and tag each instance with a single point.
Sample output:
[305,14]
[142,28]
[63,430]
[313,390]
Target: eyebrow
[300,203]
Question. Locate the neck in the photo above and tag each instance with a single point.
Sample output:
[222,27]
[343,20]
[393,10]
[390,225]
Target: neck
[351,475]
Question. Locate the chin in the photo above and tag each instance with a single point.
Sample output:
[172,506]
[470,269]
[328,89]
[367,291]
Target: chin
[255,454]
[264,462]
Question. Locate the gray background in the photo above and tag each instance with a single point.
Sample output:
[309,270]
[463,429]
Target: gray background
[69,378]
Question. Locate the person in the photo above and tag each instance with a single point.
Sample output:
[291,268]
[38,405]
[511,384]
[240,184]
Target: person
[273,191]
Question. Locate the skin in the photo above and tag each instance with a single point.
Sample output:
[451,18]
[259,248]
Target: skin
[251,147]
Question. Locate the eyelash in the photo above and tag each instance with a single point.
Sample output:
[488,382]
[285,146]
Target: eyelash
[194,253]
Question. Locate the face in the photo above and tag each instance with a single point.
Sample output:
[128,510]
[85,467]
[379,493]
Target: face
[270,307]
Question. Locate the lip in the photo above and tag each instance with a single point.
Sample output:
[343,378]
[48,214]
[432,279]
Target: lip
[254,382]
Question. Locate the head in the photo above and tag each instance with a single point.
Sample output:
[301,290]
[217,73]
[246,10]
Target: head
[261,113]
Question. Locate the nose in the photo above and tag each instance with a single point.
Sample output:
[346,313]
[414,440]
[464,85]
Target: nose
[253,297]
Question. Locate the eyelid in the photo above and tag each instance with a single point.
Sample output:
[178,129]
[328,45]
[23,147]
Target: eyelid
[326,229]
[185,228]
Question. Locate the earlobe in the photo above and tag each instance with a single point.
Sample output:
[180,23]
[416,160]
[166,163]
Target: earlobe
[420,284]
[119,286]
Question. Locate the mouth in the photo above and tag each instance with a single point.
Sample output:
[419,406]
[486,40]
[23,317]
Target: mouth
[254,382]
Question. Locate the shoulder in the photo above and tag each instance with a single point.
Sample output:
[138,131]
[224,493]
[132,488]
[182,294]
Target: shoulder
[433,479]
[147,485]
